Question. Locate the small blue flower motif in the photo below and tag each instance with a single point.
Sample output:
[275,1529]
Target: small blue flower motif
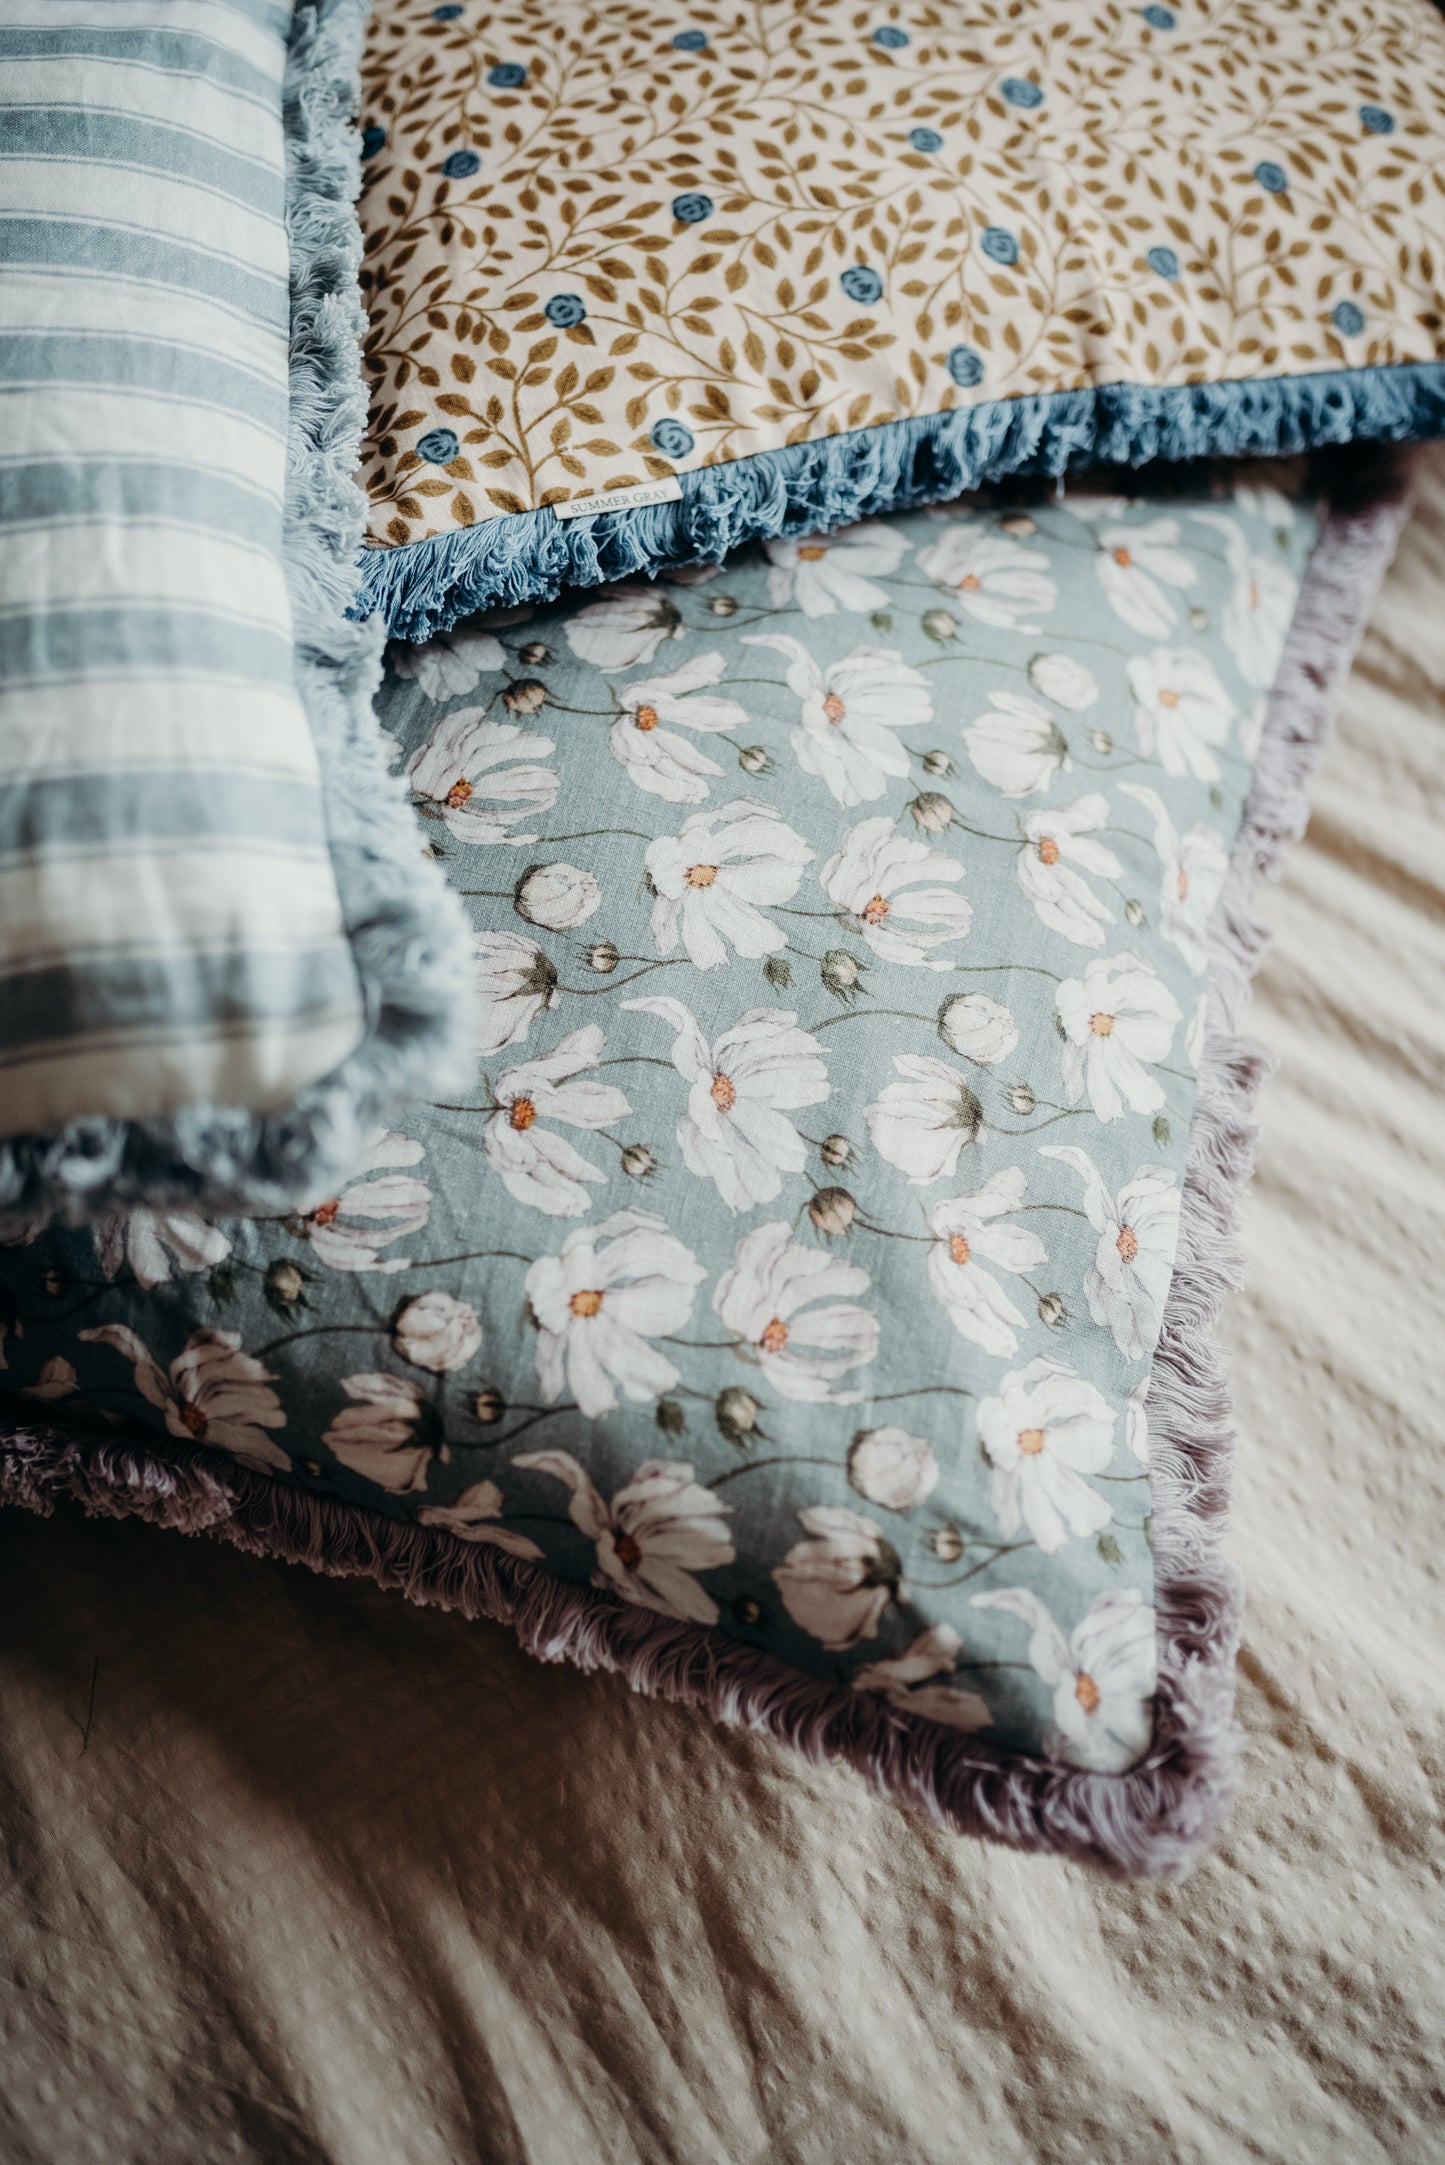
[373,139]
[999,245]
[461,165]
[965,366]
[447,14]
[1347,319]
[565,310]
[1163,262]
[1020,91]
[507,75]
[692,208]
[1376,121]
[674,439]
[439,447]
[925,139]
[690,41]
[862,284]
[1271,177]
[1159,18]
[890,37]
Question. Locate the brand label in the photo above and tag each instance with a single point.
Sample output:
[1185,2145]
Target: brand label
[646,492]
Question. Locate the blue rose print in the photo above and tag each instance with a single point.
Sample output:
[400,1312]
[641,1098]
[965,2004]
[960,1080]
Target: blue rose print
[1163,262]
[507,75]
[1159,18]
[373,139]
[999,245]
[692,208]
[565,310]
[1347,318]
[691,41]
[1020,91]
[439,446]
[461,165]
[1271,177]
[890,37]
[925,139]
[965,366]
[862,284]
[674,439]
[1376,121]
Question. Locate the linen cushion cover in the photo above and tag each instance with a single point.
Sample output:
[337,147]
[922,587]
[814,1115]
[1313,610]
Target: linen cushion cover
[793,268]
[795,1266]
[194,993]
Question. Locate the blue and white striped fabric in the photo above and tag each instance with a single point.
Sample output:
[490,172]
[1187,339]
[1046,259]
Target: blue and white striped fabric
[170,931]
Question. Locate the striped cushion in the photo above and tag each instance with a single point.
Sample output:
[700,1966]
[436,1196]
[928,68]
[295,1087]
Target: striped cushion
[170,929]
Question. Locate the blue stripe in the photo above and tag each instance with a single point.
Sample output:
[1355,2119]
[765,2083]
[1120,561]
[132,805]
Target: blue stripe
[138,635]
[55,489]
[60,361]
[45,133]
[182,804]
[171,50]
[76,244]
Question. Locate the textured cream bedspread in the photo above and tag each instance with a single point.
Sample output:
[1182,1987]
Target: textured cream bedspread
[298,1873]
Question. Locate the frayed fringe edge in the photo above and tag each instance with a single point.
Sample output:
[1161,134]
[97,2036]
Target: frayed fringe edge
[408,933]
[424,586]
[1153,1819]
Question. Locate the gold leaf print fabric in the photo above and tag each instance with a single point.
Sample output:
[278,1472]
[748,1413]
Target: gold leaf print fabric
[607,245]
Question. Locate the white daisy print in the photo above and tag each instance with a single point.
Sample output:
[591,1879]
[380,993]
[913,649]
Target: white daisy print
[852,711]
[979,1028]
[1260,608]
[877,880]
[474,1516]
[1017,745]
[438,1332]
[740,1089]
[1191,872]
[157,1245]
[451,663]
[970,1243]
[1180,710]
[922,1123]
[770,1299]
[716,877]
[467,772]
[383,1204]
[660,1529]
[892,1468]
[1118,1019]
[1102,1676]
[838,1583]
[558,897]
[516,981]
[389,1434]
[625,630]
[826,573]
[905,1682]
[1128,1280]
[1136,1421]
[612,1289]
[1046,1429]
[992,578]
[1065,680]
[1057,852]
[1197,1032]
[644,737]
[212,1393]
[535,1164]
[1141,568]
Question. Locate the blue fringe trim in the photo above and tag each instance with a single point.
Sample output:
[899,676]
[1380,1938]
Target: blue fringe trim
[409,934]
[814,488]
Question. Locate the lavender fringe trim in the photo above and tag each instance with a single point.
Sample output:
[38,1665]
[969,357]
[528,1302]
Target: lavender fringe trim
[1153,1819]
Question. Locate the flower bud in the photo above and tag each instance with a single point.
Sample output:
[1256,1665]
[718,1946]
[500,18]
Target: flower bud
[638,1161]
[603,958]
[1022,1099]
[753,759]
[1065,680]
[736,1413]
[946,1544]
[534,654]
[840,972]
[832,1211]
[1052,1310]
[723,605]
[891,1468]
[835,1150]
[525,696]
[1102,742]
[939,625]
[1019,524]
[437,1332]
[1199,619]
[489,1407]
[556,896]
[977,1027]
[284,1286]
[931,811]
[670,1417]
[1134,911]
[937,763]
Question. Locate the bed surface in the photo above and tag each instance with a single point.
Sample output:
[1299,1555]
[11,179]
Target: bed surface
[296,1874]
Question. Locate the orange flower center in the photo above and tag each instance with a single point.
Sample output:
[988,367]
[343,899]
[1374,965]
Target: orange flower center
[1168,699]
[1102,1025]
[1123,559]
[1049,849]
[628,1551]
[724,1093]
[1086,1691]
[1127,1244]
[325,1213]
[1182,883]
[586,1303]
[1031,1441]
[958,1248]
[834,708]
[459,793]
[969,583]
[700,875]
[523,1112]
[193,1420]
[876,910]
[812,553]
[645,718]
[775,1337]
